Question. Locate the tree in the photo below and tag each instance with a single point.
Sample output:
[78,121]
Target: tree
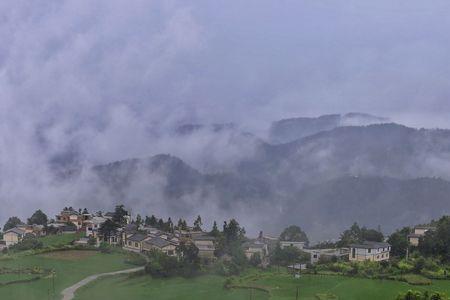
[108,228]
[120,214]
[11,223]
[371,235]
[198,224]
[255,259]
[160,224]
[162,265]
[356,234]
[294,233]
[437,242]
[215,231]
[189,259]
[152,221]
[29,242]
[399,242]
[38,218]
[230,241]
[138,220]
[168,226]
[288,256]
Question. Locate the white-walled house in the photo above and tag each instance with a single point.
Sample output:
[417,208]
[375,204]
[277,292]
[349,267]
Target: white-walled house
[298,245]
[419,232]
[93,225]
[373,251]
[13,236]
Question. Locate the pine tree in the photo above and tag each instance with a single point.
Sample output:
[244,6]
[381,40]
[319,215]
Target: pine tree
[198,224]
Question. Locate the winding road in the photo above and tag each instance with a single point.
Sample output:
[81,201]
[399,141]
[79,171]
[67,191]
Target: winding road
[69,293]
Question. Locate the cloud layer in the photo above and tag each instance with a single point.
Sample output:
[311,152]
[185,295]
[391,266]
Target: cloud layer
[106,80]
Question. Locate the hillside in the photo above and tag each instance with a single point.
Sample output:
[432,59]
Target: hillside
[332,204]
[288,130]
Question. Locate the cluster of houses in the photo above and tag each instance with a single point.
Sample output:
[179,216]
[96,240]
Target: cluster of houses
[143,239]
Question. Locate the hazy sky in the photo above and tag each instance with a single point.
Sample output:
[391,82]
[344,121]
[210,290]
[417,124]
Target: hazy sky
[97,75]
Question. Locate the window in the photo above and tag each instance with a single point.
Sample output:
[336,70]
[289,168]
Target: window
[136,245]
[353,253]
[369,250]
[170,252]
[129,243]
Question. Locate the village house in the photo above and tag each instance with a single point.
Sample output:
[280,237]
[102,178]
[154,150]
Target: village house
[135,242]
[255,247]
[157,243]
[298,245]
[92,226]
[127,232]
[372,251]
[205,245]
[69,215]
[327,254]
[60,228]
[419,231]
[13,236]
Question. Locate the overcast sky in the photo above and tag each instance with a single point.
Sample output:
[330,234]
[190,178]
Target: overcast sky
[96,75]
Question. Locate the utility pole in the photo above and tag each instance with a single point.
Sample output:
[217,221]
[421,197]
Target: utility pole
[53,283]
[407,252]
[296,295]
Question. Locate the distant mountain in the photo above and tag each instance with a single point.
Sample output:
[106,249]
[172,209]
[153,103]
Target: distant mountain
[376,150]
[187,129]
[389,203]
[289,130]
[323,209]
[380,174]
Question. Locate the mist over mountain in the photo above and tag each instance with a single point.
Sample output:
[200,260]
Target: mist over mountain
[384,174]
[288,130]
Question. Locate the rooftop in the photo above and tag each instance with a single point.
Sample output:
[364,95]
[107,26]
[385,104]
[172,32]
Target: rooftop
[16,230]
[137,237]
[158,242]
[370,245]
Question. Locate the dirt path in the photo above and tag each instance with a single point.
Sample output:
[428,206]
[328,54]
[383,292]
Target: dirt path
[69,293]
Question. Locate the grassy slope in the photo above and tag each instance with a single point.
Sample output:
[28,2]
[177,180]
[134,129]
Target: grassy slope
[343,287]
[68,272]
[59,239]
[283,288]
[143,287]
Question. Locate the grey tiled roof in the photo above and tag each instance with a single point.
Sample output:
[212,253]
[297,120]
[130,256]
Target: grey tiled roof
[158,242]
[137,237]
[16,230]
[370,245]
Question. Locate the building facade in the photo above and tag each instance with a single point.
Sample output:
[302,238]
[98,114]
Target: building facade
[371,251]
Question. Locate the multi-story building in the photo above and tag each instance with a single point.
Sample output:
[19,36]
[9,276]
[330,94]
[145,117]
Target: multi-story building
[419,231]
[372,251]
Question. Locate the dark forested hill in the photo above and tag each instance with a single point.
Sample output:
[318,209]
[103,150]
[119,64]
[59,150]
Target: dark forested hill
[288,130]
[382,174]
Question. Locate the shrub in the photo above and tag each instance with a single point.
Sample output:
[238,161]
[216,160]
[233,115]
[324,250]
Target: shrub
[135,259]
[105,248]
[417,295]
[255,259]
[28,243]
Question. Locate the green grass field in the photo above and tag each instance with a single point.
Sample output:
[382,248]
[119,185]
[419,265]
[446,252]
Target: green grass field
[144,287]
[282,286]
[59,240]
[70,267]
